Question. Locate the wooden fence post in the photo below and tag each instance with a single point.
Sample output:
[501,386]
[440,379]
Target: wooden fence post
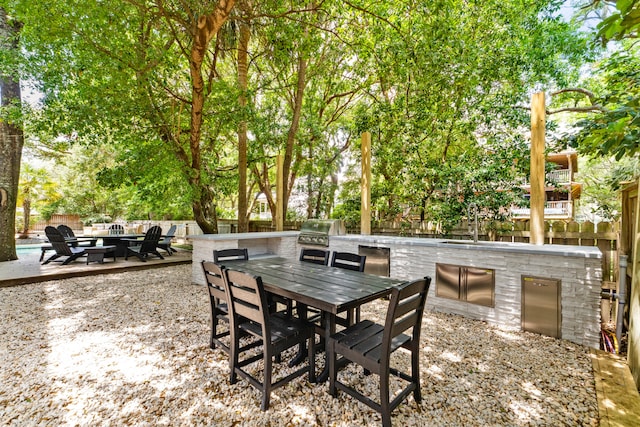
[279,193]
[365,203]
[538,177]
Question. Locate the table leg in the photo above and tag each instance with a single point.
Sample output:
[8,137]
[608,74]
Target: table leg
[329,329]
[302,349]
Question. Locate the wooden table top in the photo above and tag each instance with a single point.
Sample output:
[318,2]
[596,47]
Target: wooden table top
[328,288]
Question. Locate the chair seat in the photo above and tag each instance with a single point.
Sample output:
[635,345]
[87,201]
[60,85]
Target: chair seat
[365,338]
[283,328]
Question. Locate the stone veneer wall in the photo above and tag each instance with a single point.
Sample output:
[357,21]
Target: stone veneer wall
[581,280]
[258,244]
[580,275]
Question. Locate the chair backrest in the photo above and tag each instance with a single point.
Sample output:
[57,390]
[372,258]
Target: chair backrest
[215,278]
[246,298]
[315,256]
[167,237]
[230,254]
[116,229]
[66,231]
[406,307]
[348,261]
[57,240]
[151,239]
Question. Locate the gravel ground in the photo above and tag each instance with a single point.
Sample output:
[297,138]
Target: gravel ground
[132,349]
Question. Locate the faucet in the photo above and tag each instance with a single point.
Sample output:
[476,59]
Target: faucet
[473,231]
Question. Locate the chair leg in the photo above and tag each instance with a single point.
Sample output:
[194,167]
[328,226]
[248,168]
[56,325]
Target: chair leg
[214,326]
[71,258]
[312,358]
[51,258]
[385,407]
[332,368]
[266,385]
[415,372]
[233,358]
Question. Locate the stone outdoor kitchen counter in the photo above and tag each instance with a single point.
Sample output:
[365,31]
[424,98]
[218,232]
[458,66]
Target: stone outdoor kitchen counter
[577,268]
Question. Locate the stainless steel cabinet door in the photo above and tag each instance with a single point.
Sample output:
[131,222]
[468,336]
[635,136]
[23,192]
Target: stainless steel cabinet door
[479,286]
[541,306]
[448,281]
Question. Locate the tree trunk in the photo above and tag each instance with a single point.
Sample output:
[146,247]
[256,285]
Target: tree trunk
[207,26]
[243,46]
[11,143]
[26,215]
[289,176]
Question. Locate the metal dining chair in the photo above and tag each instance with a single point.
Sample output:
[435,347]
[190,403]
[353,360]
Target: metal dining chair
[249,315]
[370,345]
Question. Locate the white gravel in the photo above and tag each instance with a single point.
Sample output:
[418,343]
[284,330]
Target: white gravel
[132,349]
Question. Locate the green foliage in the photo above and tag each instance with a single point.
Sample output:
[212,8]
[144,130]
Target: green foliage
[441,109]
[616,130]
[623,23]
[434,82]
[603,178]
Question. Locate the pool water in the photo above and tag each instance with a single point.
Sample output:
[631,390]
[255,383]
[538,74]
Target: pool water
[28,249]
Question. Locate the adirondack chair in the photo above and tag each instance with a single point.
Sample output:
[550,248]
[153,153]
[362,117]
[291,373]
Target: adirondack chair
[143,248]
[62,248]
[165,243]
[116,229]
[73,240]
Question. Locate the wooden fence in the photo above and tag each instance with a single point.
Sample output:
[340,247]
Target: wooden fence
[604,235]
[72,221]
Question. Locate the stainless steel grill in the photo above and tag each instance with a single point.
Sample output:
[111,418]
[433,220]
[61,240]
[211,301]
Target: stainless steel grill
[317,231]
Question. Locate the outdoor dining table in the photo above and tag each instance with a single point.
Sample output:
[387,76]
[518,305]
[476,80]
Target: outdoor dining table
[120,241]
[329,289]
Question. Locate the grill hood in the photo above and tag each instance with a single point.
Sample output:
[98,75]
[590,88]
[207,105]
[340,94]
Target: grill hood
[317,231]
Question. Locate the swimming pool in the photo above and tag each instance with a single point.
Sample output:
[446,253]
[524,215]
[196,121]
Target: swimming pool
[28,249]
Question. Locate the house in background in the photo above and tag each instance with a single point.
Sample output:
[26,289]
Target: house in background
[561,190]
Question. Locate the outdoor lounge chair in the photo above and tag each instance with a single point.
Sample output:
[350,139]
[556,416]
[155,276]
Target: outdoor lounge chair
[165,243]
[73,240]
[370,345]
[148,245]
[116,229]
[61,246]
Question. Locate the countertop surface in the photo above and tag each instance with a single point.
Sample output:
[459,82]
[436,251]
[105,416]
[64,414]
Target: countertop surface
[526,248]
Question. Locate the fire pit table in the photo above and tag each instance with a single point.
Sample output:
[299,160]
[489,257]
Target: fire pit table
[97,253]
